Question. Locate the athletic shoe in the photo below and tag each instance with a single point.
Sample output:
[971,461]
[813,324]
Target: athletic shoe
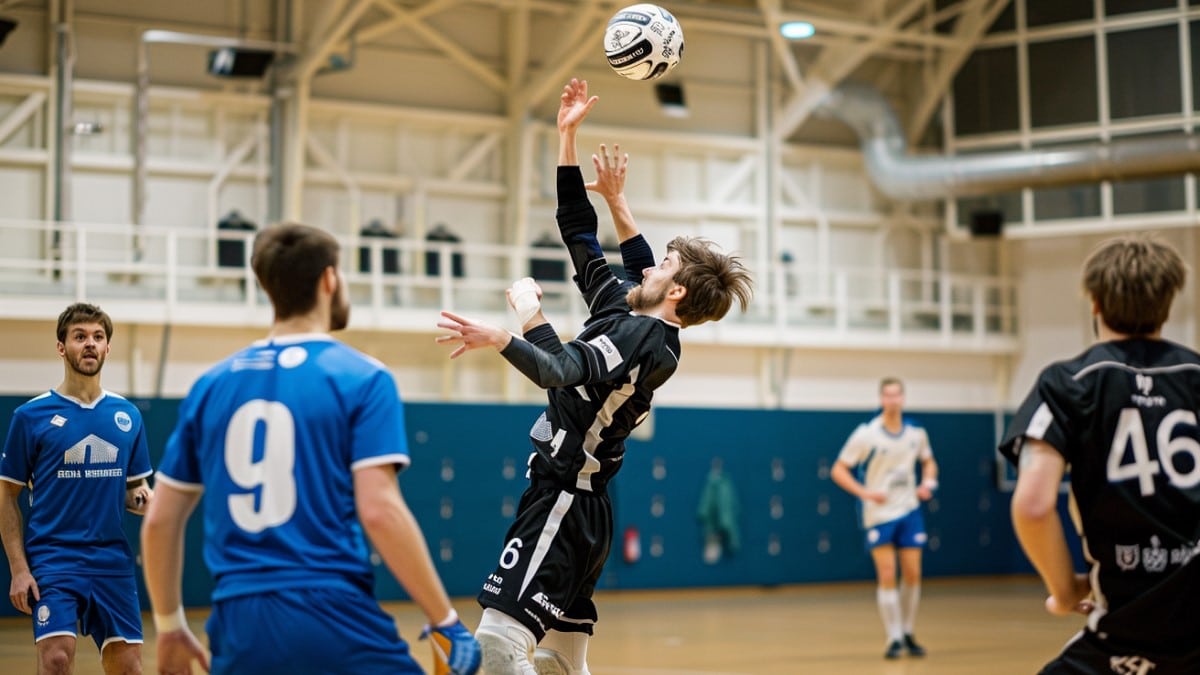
[894,650]
[913,648]
[548,662]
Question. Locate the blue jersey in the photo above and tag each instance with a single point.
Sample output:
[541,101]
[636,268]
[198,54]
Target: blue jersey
[76,458]
[273,435]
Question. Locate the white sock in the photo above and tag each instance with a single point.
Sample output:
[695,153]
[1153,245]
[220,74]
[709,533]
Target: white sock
[570,648]
[889,611]
[507,646]
[910,597]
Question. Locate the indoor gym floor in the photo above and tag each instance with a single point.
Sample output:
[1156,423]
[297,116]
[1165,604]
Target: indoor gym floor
[979,626]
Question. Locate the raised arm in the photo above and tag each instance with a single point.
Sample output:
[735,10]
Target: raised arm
[574,105]
[610,184]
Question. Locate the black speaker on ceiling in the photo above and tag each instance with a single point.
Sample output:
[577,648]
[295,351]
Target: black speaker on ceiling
[237,62]
[987,223]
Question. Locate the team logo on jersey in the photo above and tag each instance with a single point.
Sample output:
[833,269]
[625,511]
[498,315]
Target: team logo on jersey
[1131,665]
[1144,383]
[292,357]
[1128,557]
[872,535]
[58,420]
[1154,557]
[43,615]
[123,420]
[91,450]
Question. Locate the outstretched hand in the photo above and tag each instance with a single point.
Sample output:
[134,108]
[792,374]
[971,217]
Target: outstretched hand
[610,172]
[574,105]
[470,334]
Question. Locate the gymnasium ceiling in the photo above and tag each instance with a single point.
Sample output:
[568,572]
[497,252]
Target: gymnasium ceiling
[910,49]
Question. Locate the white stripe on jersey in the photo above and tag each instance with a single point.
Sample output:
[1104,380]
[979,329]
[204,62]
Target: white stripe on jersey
[616,399]
[1132,369]
[549,531]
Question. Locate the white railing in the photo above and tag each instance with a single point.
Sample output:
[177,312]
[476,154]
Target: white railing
[170,275]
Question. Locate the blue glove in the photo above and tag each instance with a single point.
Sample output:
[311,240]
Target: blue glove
[455,651]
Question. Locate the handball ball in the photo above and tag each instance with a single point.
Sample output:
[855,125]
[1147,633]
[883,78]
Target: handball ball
[643,42]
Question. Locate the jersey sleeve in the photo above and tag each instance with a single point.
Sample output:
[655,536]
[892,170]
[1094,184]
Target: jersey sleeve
[1044,415]
[636,256]
[577,224]
[855,448]
[926,452]
[180,465]
[139,463]
[378,435]
[16,463]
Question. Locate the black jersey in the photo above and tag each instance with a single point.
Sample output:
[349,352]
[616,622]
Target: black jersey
[1123,416]
[600,384]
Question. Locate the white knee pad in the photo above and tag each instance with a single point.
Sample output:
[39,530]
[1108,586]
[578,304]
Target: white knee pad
[506,645]
[562,653]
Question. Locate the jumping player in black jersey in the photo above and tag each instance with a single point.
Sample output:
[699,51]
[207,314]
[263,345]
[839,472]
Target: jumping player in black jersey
[1122,417]
[599,387]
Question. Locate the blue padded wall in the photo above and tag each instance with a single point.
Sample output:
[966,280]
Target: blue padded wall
[796,526]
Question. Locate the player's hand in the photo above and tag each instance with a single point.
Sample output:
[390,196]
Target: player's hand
[574,105]
[23,592]
[610,172]
[137,500]
[470,334]
[874,496]
[455,651]
[1079,602]
[176,651]
[924,493]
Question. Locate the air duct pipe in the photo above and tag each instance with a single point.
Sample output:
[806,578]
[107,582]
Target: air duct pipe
[909,177]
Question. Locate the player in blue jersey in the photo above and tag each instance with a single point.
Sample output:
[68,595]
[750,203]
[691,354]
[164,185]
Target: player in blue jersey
[883,452]
[296,441]
[81,451]
[538,609]
[1121,416]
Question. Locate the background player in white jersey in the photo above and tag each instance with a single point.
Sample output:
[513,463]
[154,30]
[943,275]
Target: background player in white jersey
[82,451]
[1122,416]
[599,388]
[883,454]
[296,440]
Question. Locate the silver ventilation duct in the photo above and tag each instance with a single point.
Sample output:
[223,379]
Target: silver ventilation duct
[910,177]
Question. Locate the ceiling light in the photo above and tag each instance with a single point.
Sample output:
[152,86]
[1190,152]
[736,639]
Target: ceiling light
[797,30]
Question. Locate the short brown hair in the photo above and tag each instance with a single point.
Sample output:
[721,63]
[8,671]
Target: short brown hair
[889,381]
[712,279]
[288,260]
[1133,280]
[82,312]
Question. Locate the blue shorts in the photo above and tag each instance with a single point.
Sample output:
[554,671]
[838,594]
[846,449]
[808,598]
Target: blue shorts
[106,608]
[904,532]
[311,631]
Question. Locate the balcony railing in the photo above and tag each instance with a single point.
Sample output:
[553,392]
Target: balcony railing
[159,275]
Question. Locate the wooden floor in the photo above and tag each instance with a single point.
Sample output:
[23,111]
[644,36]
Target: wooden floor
[978,626]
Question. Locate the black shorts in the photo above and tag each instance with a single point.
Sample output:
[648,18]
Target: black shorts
[552,558]
[1087,654]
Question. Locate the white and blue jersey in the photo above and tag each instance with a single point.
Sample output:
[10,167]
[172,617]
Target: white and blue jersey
[76,459]
[886,462]
[273,435]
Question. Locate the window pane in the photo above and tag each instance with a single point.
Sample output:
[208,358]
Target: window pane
[1114,7]
[985,92]
[1147,196]
[1195,41]
[1143,72]
[1043,12]
[1007,21]
[1062,82]
[1072,201]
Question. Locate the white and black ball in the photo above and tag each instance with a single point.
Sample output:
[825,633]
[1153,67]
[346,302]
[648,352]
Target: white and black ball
[643,42]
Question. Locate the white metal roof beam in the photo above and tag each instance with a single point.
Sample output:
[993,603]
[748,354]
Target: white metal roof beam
[587,28]
[448,46]
[783,50]
[320,46]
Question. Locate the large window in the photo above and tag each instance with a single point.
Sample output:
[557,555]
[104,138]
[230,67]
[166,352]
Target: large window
[985,92]
[1046,12]
[1115,7]
[1143,72]
[1195,41]
[1062,81]
[1072,201]
[1147,196]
